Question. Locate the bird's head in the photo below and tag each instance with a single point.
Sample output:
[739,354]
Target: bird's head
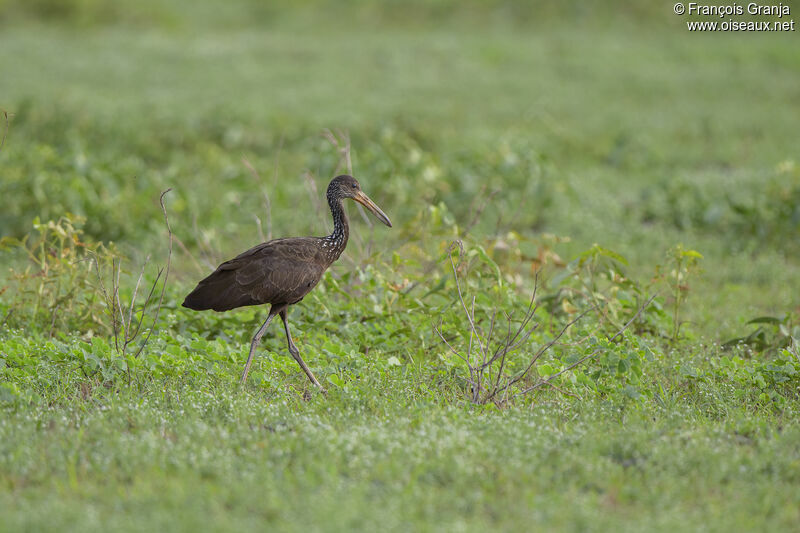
[345,186]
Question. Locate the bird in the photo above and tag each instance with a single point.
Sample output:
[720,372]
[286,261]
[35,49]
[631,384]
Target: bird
[281,272]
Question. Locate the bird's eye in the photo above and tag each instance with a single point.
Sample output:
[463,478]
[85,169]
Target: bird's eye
[354,186]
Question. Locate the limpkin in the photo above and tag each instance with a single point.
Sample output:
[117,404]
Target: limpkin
[282,271]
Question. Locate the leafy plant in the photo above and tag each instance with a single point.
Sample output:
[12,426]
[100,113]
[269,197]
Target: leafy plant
[680,266]
[771,334]
[55,291]
[75,285]
[767,210]
[130,320]
[597,278]
[495,352]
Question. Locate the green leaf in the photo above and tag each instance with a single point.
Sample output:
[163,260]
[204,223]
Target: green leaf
[692,253]
[335,380]
[9,242]
[613,255]
[597,250]
[648,353]
[561,276]
[765,320]
[483,255]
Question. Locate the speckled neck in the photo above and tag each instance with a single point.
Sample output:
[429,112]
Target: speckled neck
[337,241]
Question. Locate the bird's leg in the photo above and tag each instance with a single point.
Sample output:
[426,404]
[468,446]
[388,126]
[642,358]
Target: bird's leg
[255,341]
[296,353]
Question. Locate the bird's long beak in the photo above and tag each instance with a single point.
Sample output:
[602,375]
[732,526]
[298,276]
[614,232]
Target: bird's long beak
[364,200]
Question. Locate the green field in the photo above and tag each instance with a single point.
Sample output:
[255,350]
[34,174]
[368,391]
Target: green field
[611,150]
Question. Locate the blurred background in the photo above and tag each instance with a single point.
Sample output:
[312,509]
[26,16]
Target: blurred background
[579,122]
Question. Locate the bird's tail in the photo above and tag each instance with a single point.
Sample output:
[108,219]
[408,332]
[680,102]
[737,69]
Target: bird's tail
[218,292]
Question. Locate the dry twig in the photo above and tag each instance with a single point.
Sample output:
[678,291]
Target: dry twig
[126,326]
[488,378]
[5,132]
[267,204]
[166,275]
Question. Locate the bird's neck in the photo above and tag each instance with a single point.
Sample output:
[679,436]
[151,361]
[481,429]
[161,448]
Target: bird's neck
[341,231]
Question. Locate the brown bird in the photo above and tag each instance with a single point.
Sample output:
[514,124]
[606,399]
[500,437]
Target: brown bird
[282,271]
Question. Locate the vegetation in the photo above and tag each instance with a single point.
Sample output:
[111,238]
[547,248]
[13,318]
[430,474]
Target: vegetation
[639,181]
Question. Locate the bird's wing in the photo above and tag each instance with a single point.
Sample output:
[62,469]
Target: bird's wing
[281,271]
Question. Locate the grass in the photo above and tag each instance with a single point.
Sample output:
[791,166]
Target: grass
[185,453]
[604,145]
[222,459]
[616,128]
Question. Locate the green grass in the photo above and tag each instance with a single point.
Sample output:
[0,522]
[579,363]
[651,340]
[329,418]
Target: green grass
[390,449]
[222,459]
[617,127]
